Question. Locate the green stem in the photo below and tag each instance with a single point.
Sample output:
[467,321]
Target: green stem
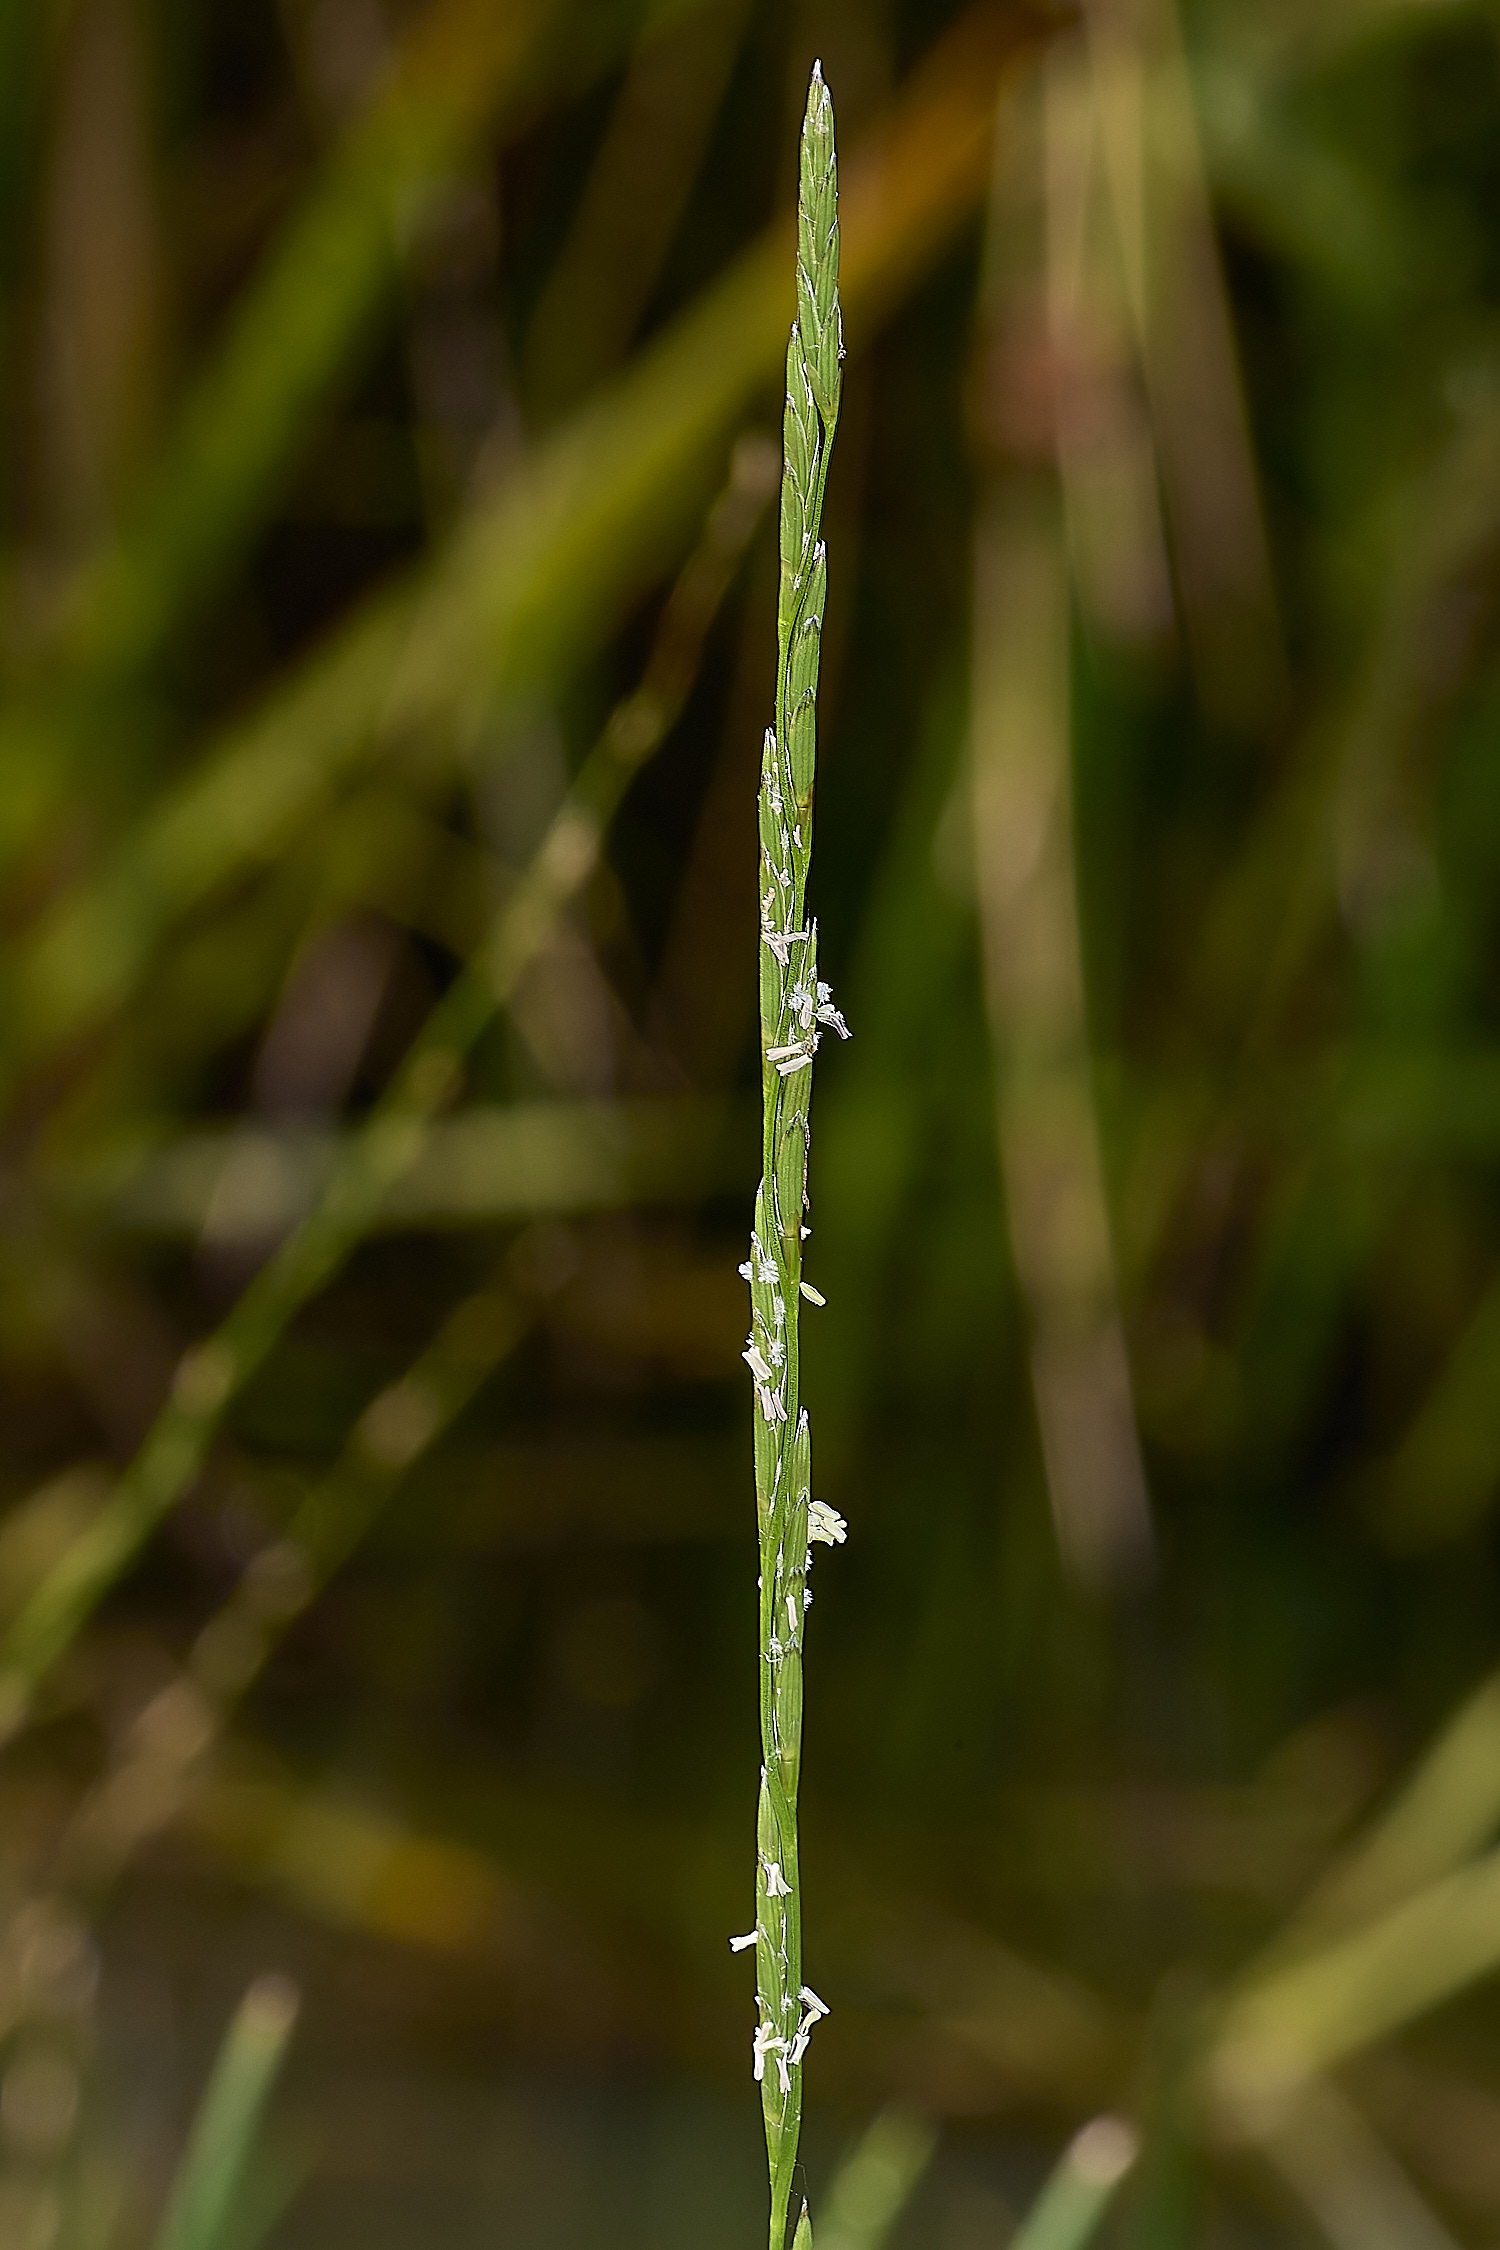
[793,1011]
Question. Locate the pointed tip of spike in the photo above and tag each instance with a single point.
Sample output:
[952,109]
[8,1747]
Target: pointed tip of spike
[817,70]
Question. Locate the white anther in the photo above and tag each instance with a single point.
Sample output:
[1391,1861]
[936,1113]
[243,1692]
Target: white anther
[828,1013]
[765,2043]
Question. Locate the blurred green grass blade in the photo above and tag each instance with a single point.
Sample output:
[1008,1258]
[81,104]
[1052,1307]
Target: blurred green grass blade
[1290,42]
[305,319]
[1347,2178]
[29,43]
[538,571]
[1071,2207]
[248,1184]
[156,1766]
[1445,1472]
[1446,1810]
[1338,823]
[335,1855]
[875,2182]
[210,2179]
[29,47]
[1311,2013]
[638,187]
[913,976]
[1021,775]
[1320,1220]
[1337,831]
[1305,198]
[395,1133]
[1149,141]
[295,330]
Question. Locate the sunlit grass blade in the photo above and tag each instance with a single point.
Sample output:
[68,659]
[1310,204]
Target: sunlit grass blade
[1073,2204]
[1106,450]
[210,2180]
[1348,2180]
[875,2181]
[1445,1810]
[1149,140]
[1051,1158]
[1292,2019]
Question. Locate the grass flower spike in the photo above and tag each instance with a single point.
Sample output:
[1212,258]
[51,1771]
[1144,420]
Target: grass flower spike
[795,1010]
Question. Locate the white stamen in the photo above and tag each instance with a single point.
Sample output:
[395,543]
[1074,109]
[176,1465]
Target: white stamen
[813,1296]
[756,1364]
[777,1885]
[828,1013]
[765,2043]
[738,1944]
[825,1523]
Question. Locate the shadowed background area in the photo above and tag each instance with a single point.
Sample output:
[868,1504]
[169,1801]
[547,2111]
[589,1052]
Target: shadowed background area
[388,460]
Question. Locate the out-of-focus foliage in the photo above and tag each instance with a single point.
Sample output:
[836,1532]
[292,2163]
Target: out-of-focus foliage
[390,400]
